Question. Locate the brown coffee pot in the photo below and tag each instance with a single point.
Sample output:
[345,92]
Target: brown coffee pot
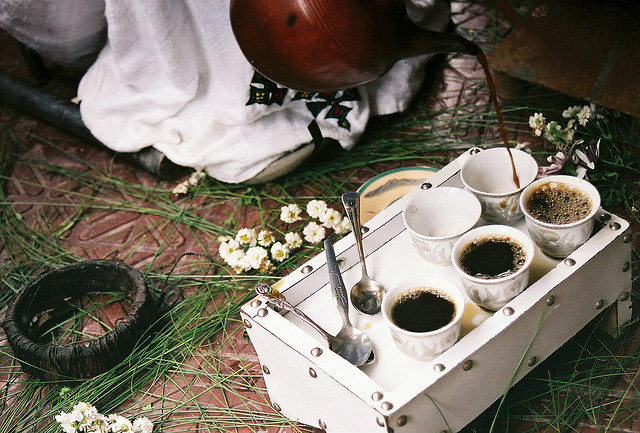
[328,45]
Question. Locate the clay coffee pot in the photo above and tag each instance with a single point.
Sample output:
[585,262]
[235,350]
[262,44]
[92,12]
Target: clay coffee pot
[328,45]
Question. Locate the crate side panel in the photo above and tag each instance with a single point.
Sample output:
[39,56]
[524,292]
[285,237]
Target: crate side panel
[460,395]
[307,394]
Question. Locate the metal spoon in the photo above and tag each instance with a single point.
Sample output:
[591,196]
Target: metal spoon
[336,344]
[366,294]
[350,343]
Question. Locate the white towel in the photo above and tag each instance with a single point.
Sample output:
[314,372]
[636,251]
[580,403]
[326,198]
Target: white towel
[172,76]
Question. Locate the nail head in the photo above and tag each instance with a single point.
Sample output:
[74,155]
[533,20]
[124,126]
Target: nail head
[402,420]
[507,311]
[313,373]
[615,225]
[600,304]
[316,351]
[551,300]
[532,361]
[626,266]
[627,238]
[386,406]
[306,269]
[569,261]
[426,185]
[322,425]
[468,364]
[265,369]
[247,323]
[262,312]
[439,368]
[376,396]
[624,296]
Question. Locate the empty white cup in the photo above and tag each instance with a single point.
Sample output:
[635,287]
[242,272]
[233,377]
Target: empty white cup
[436,218]
[489,176]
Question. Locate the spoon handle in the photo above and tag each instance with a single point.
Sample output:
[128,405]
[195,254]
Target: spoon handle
[337,284]
[278,301]
[351,203]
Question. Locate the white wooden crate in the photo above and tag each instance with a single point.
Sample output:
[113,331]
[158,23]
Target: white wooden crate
[397,393]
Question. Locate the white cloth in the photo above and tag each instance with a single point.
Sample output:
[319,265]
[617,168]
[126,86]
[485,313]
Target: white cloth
[68,32]
[172,76]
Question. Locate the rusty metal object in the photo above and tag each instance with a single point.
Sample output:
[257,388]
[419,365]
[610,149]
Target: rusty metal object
[65,115]
[585,49]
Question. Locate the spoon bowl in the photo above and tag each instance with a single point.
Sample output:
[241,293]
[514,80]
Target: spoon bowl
[350,343]
[366,295]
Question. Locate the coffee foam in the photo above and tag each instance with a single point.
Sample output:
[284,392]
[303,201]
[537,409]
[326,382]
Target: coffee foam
[559,203]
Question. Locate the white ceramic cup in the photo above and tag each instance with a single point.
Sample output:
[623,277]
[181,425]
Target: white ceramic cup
[425,346]
[488,175]
[494,293]
[436,218]
[560,240]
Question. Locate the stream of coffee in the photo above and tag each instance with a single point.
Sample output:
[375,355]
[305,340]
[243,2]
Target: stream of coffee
[482,59]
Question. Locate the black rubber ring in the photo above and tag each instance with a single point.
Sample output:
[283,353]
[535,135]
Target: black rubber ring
[87,359]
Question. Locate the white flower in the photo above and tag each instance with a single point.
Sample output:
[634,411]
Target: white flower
[538,132]
[265,238]
[120,424]
[290,213]
[266,266]
[181,188]
[227,248]
[247,237]
[571,112]
[343,227]
[66,421]
[331,218]
[584,115]
[238,261]
[196,176]
[313,233]
[255,256]
[316,208]
[85,413]
[536,121]
[279,252]
[293,240]
[521,145]
[142,425]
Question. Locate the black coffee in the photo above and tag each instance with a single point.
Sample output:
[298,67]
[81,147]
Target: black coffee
[422,310]
[559,203]
[492,256]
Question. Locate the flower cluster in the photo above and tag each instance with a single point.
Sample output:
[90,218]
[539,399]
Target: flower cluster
[193,180]
[569,149]
[84,418]
[257,249]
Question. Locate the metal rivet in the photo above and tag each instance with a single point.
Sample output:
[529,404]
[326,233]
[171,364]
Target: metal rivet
[569,261]
[316,351]
[312,373]
[507,311]
[551,300]
[265,369]
[322,425]
[439,368]
[262,312]
[426,185]
[605,217]
[624,297]
[277,407]
[599,304]
[627,238]
[306,269]
[615,226]
[364,229]
[247,324]
[626,266]
[532,361]
[467,365]
[402,420]
[386,406]
[376,396]
[380,421]
[474,150]
[389,430]
[256,303]
[341,262]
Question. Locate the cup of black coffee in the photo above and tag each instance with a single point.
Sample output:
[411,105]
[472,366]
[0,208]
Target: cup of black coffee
[560,212]
[493,264]
[423,315]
